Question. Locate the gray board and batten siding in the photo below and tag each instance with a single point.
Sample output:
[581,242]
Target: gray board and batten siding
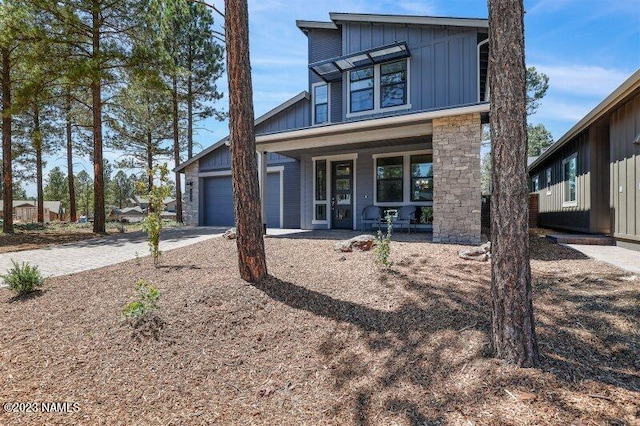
[607,144]
[443,66]
[625,169]
[552,210]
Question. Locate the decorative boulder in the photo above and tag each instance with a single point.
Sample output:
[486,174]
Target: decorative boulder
[481,253]
[230,234]
[361,242]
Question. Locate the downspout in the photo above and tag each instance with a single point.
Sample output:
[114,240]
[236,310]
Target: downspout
[486,91]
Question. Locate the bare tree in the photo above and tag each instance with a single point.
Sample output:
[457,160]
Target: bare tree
[244,170]
[513,336]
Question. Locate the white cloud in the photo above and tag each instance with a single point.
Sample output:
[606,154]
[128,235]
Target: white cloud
[583,80]
[559,110]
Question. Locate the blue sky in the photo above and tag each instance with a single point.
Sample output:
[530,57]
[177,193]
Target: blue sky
[586,47]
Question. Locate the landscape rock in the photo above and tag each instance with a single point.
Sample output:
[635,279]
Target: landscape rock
[481,253]
[230,234]
[361,242]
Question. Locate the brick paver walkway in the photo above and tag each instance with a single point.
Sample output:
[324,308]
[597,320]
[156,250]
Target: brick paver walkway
[98,252]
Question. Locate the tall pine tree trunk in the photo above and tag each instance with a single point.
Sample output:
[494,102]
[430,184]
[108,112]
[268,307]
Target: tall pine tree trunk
[176,147]
[37,144]
[189,116]
[7,181]
[149,163]
[244,169]
[96,93]
[513,335]
[73,216]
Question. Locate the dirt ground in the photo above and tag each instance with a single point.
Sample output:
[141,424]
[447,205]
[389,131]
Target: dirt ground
[34,236]
[327,339]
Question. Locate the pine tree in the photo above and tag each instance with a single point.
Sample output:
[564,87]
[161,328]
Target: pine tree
[244,171]
[513,331]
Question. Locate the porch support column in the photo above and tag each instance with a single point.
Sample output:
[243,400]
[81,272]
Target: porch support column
[456,179]
[262,178]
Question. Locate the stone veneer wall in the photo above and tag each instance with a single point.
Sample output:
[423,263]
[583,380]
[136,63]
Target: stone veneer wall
[190,202]
[456,176]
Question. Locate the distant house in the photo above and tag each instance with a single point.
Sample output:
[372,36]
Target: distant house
[127,214]
[142,202]
[390,119]
[589,180]
[26,211]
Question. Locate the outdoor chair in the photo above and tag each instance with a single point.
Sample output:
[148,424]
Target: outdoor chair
[370,215]
[405,214]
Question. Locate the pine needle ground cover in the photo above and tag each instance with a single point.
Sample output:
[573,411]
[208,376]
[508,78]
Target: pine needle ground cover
[327,339]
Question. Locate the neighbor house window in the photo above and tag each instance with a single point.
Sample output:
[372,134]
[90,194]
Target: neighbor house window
[570,179]
[548,180]
[421,178]
[393,84]
[389,176]
[321,103]
[361,89]
[320,202]
[535,184]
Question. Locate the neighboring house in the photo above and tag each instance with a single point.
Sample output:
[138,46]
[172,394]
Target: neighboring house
[127,214]
[589,180]
[26,211]
[391,117]
[143,203]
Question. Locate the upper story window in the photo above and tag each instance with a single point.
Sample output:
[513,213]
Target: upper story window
[361,89]
[320,103]
[379,88]
[393,84]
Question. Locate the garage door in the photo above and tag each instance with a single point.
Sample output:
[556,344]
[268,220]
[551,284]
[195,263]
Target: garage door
[218,201]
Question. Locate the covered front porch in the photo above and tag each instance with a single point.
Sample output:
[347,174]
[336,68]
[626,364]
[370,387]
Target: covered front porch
[424,168]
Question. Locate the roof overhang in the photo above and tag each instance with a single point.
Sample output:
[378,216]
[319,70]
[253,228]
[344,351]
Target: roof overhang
[317,25]
[332,69]
[409,19]
[613,100]
[395,127]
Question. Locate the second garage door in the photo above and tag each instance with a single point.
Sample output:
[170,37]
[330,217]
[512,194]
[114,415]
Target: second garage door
[218,201]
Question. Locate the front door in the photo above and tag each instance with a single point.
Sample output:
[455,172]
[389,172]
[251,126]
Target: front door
[342,194]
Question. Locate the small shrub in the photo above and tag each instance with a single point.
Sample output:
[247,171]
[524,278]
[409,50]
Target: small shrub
[152,223]
[23,278]
[147,297]
[383,246]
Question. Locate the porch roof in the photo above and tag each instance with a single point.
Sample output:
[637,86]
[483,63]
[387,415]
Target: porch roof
[353,133]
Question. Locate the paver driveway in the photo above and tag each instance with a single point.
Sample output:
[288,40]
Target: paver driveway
[98,252]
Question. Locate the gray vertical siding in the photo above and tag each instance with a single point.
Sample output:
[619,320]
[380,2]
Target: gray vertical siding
[322,44]
[443,63]
[625,170]
[294,117]
[336,105]
[552,214]
[600,182]
[291,194]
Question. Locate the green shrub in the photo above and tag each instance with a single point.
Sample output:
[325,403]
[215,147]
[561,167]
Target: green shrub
[383,246]
[23,278]
[152,223]
[147,297]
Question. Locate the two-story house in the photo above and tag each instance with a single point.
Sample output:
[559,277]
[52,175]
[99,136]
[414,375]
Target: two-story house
[391,117]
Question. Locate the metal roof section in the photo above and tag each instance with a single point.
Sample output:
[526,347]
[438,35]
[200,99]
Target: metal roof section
[409,19]
[300,96]
[319,25]
[625,89]
[332,69]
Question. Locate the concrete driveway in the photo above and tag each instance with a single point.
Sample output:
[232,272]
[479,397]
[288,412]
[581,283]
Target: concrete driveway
[104,251]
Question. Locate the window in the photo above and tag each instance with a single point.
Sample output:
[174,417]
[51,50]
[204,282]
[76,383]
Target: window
[361,89]
[321,103]
[320,202]
[421,178]
[535,183]
[570,180]
[389,176]
[378,88]
[393,84]
[548,180]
